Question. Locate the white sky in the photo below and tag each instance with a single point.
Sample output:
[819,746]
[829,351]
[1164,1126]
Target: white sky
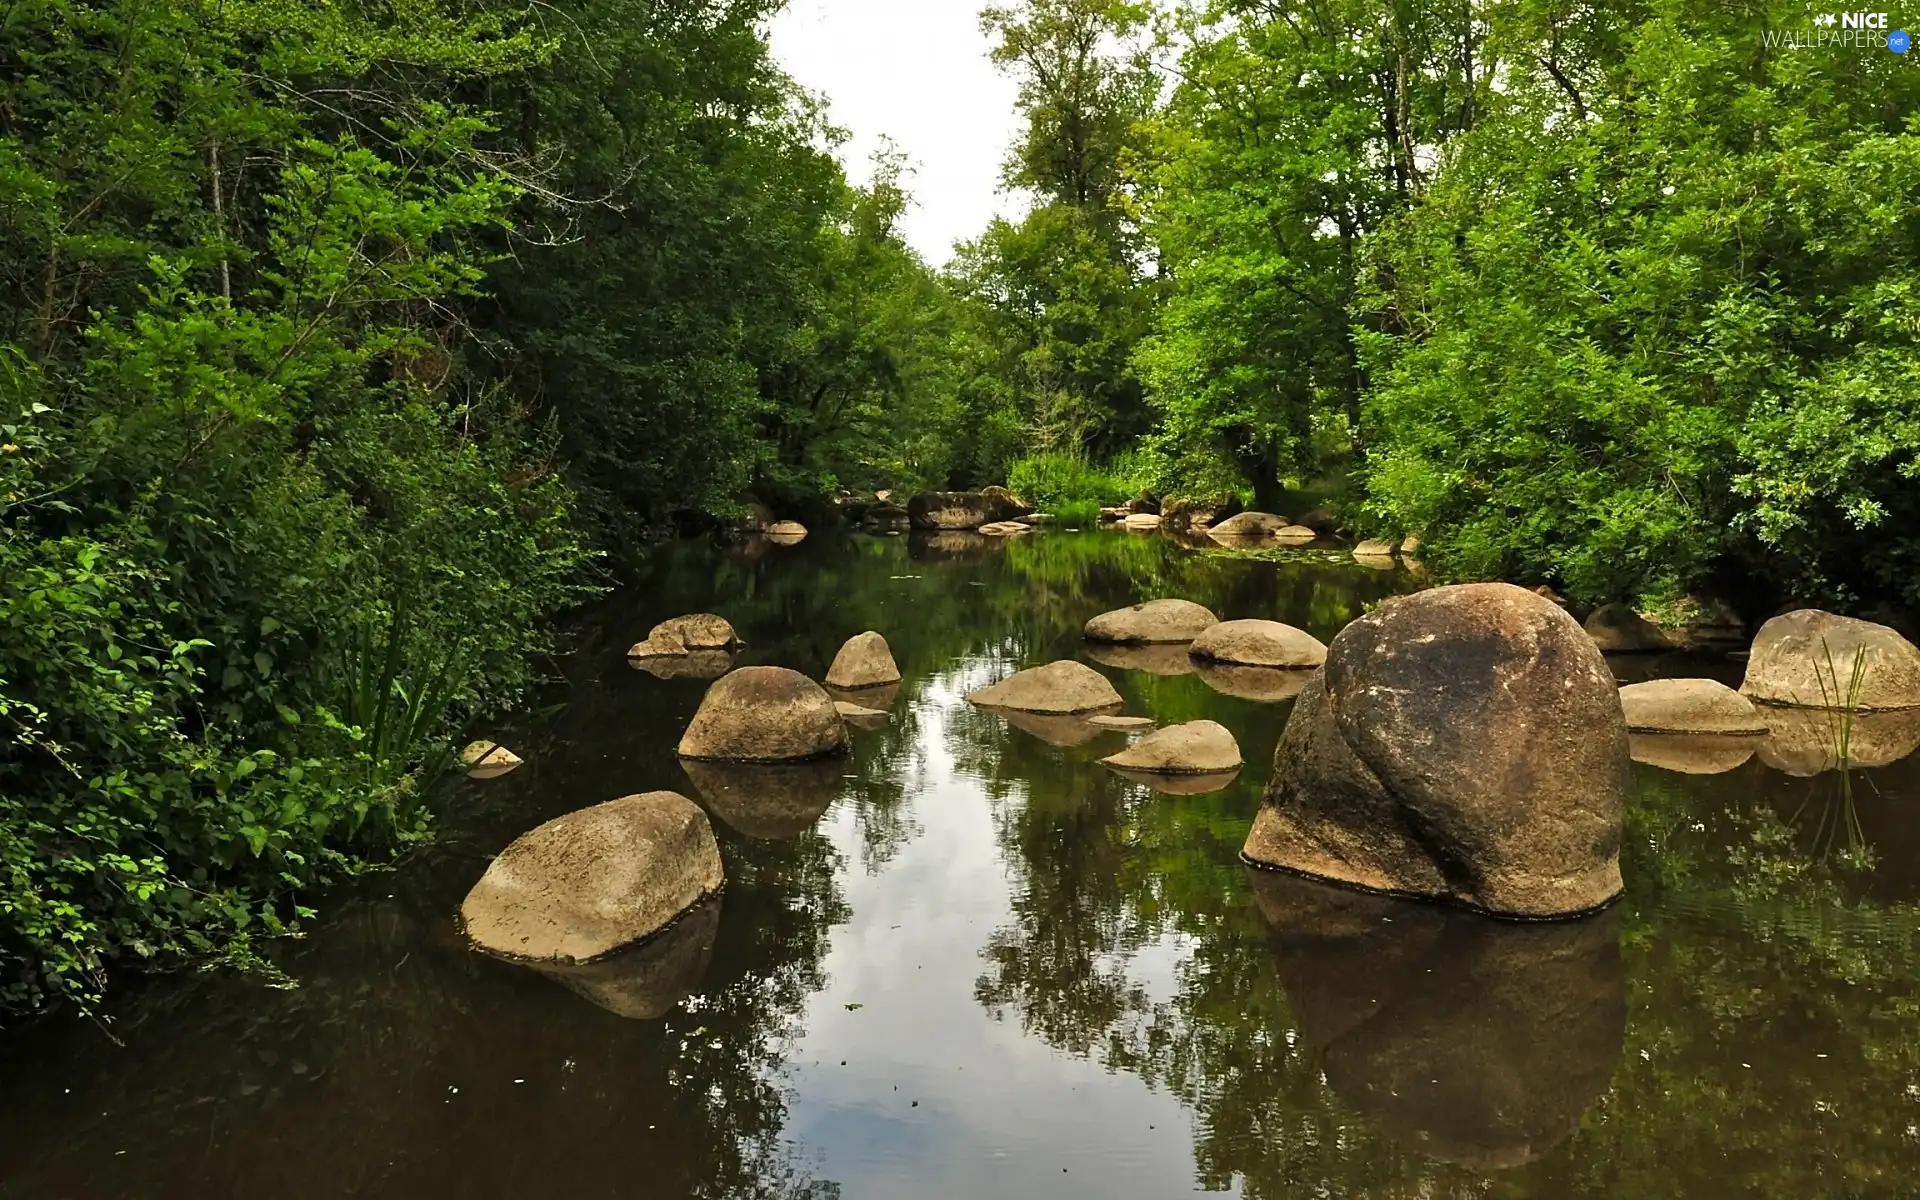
[917,71]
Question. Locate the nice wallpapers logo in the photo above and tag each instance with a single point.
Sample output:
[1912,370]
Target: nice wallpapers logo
[1842,31]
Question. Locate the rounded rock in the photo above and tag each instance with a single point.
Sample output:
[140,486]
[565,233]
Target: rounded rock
[1295,535]
[1143,522]
[1062,688]
[1259,644]
[1373,548]
[596,881]
[1158,622]
[1248,526]
[1196,748]
[683,635]
[1689,706]
[865,661]
[764,714]
[1807,659]
[1463,744]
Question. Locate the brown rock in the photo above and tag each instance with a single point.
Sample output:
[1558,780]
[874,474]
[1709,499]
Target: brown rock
[764,714]
[1373,548]
[1005,529]
[767,801]
[1295,535]
[1259,644]
[1807,658]
[1465,1039]
[1196,748]
[1158,622]
[1164,660]
[1805,742]
[1248,526]
[1464,743]
[1059,688]
[1691,753]
[865,661]
[1617,629]
[1689,706]
[646,982]
[595,881]
[488,760]
[1143,522]
[1264,685]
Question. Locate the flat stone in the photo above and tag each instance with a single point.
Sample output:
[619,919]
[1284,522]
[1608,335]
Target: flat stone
[1373,548]
[1689,706]
[1059,688]
[594,881]
[1195,748]
[764,714]
[1158,622]
[864,661]
[1143,521]
[1005,529]
[1259,644]
[1464,743]
[1806,659]
[488,760]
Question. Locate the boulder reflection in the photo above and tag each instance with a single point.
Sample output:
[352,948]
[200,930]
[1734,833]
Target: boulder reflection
[769,801]
[1806,741]
[1166,660]
[1471,1040]
[645,982]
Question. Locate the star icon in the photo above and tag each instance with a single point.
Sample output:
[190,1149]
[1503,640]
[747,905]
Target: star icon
[1825,19]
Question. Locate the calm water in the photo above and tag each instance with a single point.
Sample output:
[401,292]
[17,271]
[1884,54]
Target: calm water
[969,962]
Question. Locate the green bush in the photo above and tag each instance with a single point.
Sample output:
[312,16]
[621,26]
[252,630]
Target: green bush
[1067,486]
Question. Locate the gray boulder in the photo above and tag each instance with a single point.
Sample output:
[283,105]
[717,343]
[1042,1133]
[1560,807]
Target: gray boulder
[1158,622]
[864,661]
[587,884]
[764,714]
[1259,644]
[1059,688]
[1464,744]
[1807,659]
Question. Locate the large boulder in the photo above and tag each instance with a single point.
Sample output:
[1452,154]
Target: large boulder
[865,661]
[1248,526]
[1157,622]
[685,635]
[1472,1041]
[1690,706]
[1259,644]
[1812,659]
[1618,629]
[1464,744]
[583,886]
[764,714]
[1059,688]
[964,510]
[1196,748]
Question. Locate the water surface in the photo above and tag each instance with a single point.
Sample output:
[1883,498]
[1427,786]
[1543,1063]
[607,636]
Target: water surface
[968,961]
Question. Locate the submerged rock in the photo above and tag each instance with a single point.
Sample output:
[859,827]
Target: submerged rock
[1806,659]
[1689,706]
[1166,660]
[764,714]
[488,760]
[1195,748]
[864,661]
[684,635]
[1464,1039]
[1808,741]
[1259,644]
[767,801]
[1157,622]
[1617,629]
[1465,744]
[1248,526]
[644,983]
[1265,685]
[1692,753]
[594,881]
[865,718]
[1060,688]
